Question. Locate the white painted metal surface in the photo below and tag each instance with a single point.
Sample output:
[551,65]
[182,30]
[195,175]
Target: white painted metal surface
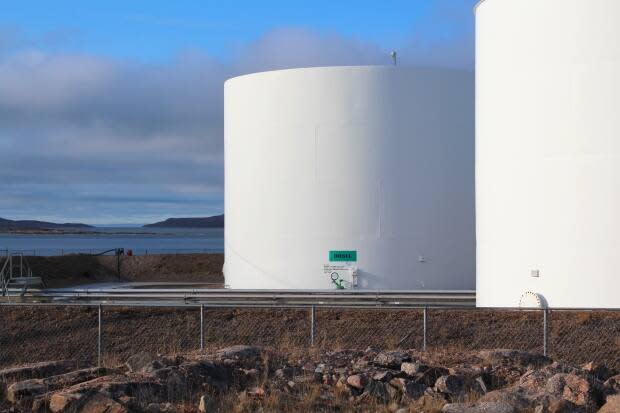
[376,160]
[547,152]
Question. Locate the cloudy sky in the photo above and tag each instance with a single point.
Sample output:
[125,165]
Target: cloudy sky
[111,111]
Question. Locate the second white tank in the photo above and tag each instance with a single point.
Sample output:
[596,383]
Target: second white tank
[548,153]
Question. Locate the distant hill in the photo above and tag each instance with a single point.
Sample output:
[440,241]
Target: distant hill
[7,224]
[216,221]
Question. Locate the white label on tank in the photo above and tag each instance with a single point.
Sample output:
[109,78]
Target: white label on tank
[341,275]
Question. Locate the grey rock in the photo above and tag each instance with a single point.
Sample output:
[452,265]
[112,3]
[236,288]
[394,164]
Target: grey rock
[391,359]
[141,362]
[239,352]
[357,381]
[378,390]
[408,387]
[449,384]
[320,369]
[413,369]
[430,376]
[383,375]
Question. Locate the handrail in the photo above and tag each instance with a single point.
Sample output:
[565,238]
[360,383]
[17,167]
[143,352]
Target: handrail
[4,278]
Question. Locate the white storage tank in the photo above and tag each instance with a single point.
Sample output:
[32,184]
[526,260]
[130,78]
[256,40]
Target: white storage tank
[548,153]
[350,177]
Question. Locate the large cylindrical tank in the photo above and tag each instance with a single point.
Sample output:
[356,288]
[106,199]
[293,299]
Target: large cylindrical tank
[548,152]
[354,177]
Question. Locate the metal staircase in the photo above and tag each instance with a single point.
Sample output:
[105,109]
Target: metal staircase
[15,273]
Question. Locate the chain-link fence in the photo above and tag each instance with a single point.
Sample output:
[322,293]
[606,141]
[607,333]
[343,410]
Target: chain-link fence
[106,334]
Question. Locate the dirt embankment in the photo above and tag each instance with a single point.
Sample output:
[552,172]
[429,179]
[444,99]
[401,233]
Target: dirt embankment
[71,270]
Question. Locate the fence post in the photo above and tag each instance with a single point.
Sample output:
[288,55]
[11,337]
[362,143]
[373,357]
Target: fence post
[202,331]
[424,315]
[99,338]
[545,332]
[312,325]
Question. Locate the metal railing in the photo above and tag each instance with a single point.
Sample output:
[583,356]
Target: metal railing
[4,276]
[149,295]
[105,334]
[9,269]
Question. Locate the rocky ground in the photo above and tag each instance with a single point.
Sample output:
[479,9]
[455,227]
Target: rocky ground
[254,379]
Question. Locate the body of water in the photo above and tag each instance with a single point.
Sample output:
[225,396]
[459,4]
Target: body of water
[140,240]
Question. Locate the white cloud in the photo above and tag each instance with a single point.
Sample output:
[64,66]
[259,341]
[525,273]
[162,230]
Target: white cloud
[88,138]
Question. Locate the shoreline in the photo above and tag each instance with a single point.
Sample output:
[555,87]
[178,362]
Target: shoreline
[71,232]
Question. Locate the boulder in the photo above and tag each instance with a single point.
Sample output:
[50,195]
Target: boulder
[143,361]
[430,376]
[599,371]
[64,401]
[612,405]
[36,370]
[27,389]
[572,388]
[100,403]
[514,357]
[413,369]
[239,352]
[612,385]
[408,388]
[383,375]
[512,396]
[391,359]
[449,384]
[357,381]
[378,390]
[534,380]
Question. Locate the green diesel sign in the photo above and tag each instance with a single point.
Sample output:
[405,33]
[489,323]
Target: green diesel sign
[343,256]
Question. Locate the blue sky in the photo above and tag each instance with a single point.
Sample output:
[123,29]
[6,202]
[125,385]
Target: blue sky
[111,112]
[155,30]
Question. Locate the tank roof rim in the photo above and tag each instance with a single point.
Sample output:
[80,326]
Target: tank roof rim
[353,67]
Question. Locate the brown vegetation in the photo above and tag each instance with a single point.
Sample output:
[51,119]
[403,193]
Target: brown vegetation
[72,270]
